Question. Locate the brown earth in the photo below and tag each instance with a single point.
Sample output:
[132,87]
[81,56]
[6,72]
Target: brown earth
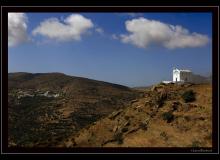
[41,121]
[141,123]
[90,113]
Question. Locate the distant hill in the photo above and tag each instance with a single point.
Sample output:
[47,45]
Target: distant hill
[38,119]
[198,79]
[54,81]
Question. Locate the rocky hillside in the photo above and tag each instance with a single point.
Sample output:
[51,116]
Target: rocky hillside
[165,116]
[45,108]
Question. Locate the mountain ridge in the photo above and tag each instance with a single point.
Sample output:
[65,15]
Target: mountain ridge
[60,73]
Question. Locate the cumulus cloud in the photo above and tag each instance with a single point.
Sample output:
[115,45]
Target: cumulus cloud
[17,29]
[70,28]
[143,32]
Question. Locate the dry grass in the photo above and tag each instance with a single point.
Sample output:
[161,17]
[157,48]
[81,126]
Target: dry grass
[191,126]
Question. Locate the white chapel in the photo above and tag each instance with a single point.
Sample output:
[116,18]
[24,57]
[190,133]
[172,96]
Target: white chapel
[186,76]
[182,75]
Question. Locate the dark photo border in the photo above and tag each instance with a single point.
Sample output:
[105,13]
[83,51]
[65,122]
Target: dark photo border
[215,77]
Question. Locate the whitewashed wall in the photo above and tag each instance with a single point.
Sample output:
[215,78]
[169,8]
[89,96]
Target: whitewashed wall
[186,76]
[176,76]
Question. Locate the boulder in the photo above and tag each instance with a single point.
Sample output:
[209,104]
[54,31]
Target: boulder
[127,123]
[138,107]
[153,88]
[115,114]
[147,103]
[115,128]
[133,101]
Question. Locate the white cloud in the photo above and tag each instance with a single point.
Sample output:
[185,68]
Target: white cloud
[144,32]
[70,28]
[99,30]
[17,29]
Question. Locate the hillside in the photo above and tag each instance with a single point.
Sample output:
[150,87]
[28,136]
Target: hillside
[161,118]
[45,108]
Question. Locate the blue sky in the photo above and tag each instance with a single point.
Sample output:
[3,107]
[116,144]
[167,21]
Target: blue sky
[132,49]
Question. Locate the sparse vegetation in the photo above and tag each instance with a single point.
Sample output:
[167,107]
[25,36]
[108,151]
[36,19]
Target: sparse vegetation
[175,106]
[119,137]
[209,136]
[189,96]
[159,99]
[124,129]
[143,126]
[168,116]
[127,117]
[184,126]
[164,136]
[49,122]
[196,144]
[33,120]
